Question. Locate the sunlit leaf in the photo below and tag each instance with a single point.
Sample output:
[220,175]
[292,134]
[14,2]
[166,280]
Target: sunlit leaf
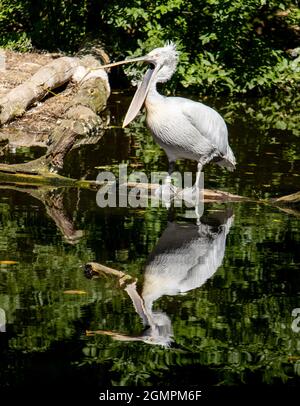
[75,292]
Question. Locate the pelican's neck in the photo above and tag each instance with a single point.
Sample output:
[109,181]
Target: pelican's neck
[153,97]
[163,74]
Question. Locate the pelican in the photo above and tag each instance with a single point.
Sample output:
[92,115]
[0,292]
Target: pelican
[185,129]
[185,257]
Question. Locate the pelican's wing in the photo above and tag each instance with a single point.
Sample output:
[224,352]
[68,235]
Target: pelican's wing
[208,264]
[184,258]
[209,123]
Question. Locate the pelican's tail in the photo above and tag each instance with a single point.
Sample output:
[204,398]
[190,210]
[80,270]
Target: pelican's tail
[228,161]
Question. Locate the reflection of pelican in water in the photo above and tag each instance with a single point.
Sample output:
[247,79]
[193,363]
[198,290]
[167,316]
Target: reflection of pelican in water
[185,257]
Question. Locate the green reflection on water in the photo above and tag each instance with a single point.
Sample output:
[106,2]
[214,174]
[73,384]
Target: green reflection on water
[236,328]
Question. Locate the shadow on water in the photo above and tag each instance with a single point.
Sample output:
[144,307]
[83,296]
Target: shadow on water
[228,318]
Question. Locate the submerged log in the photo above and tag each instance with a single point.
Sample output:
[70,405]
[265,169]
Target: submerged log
[208,195]
[8,174]
[40,178]
[290,204]
[288,199]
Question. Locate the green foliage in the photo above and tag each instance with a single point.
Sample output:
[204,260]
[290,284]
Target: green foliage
[280,113]
[59,24]
[234,329]
[225,46]
[238,325]
[51,25]
[14,16]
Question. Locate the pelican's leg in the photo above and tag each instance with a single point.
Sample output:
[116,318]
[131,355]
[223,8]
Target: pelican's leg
[167,191]
[197,191]
[171,169]
[198,177]
[192,195]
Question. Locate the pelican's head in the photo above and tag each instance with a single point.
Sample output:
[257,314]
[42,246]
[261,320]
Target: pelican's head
[164,61]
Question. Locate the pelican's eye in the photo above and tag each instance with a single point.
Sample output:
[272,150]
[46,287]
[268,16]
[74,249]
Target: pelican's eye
[154,54]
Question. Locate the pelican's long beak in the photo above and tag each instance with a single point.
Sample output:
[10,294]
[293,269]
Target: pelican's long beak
[142,90]
[139,97]
[111,65]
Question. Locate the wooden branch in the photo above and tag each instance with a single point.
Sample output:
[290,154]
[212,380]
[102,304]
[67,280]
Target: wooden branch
[102,269]
[208,195]
[37,175]
[19,175]
[95,269]
[8,174]
[51,76]
[288,210]
[289,199]
[53,200]
[290,204]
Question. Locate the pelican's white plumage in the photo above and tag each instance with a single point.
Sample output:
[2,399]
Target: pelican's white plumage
[182,127]
[185,257]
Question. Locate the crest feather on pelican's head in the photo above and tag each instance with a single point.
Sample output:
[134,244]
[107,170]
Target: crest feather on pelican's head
[165,59]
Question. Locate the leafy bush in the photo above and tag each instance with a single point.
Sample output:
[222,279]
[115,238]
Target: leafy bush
[59,24]
[48,24]
[13,17]
[231,46]
[226,46]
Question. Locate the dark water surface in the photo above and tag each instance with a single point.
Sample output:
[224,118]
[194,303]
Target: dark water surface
[220,301]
